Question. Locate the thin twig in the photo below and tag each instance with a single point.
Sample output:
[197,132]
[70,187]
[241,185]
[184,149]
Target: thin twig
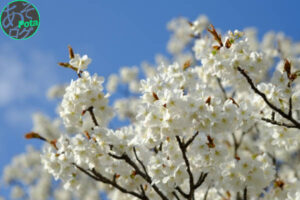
[290,107]
[86,172]
[144,193]
[222,88]
[278,123]
[191,139]
[206,193]
[200,180]
[175,195]
[99,177]
[264,97]
[140,162]
[182,192]
[116,185]
[188,167]
[144,175]
[245,194]
[237,143]
[193,186]
[91,111]
[274,162]
[67,65]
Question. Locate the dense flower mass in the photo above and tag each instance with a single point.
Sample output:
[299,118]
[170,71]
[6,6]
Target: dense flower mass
[220,120]
[82,94]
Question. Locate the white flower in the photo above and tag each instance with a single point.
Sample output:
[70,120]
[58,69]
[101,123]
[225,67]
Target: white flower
[79,62]
[128,74]
[17,192]
[200,24]
[134,86]
[56,91]
[112,83]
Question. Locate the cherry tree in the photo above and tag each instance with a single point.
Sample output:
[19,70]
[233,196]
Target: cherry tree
[218,119]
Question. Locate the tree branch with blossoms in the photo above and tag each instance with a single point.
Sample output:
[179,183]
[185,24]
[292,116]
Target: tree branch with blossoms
[99,177]
[139,172]
[289,117]
[192,185]
[184,125]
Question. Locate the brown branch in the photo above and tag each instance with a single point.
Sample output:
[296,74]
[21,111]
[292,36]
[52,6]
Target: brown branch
[91,111]
[34,135]
[264,97]
[140,162]
[182,192]
[245,194]
[200,180]
[222,88]
[188,168]
[193,186]
[116,185]
[86,172]
[273,115]
[191,140]
[67,65]
[206,193]
[99,177]
[175,195]
[71,52]
[144,193]
[144,175]
[290,107]
[237,144]
[216,36]
[238,196]
[274,122]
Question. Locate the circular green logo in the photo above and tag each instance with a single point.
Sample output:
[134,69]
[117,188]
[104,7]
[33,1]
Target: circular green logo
[20,20]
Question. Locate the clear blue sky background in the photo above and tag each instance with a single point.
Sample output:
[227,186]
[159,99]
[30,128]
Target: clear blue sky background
[113,33]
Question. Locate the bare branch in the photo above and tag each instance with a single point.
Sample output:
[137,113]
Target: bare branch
[175,195]
[222,88]
[86,172]
[274,122]
[144,193]
[206,193]
[245,194]
[116,185]
[182,192]
[290,107]
[140,162]
[237,143]
[200,180]
[191,139]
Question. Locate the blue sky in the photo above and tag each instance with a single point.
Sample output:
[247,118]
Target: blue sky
[113,33]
